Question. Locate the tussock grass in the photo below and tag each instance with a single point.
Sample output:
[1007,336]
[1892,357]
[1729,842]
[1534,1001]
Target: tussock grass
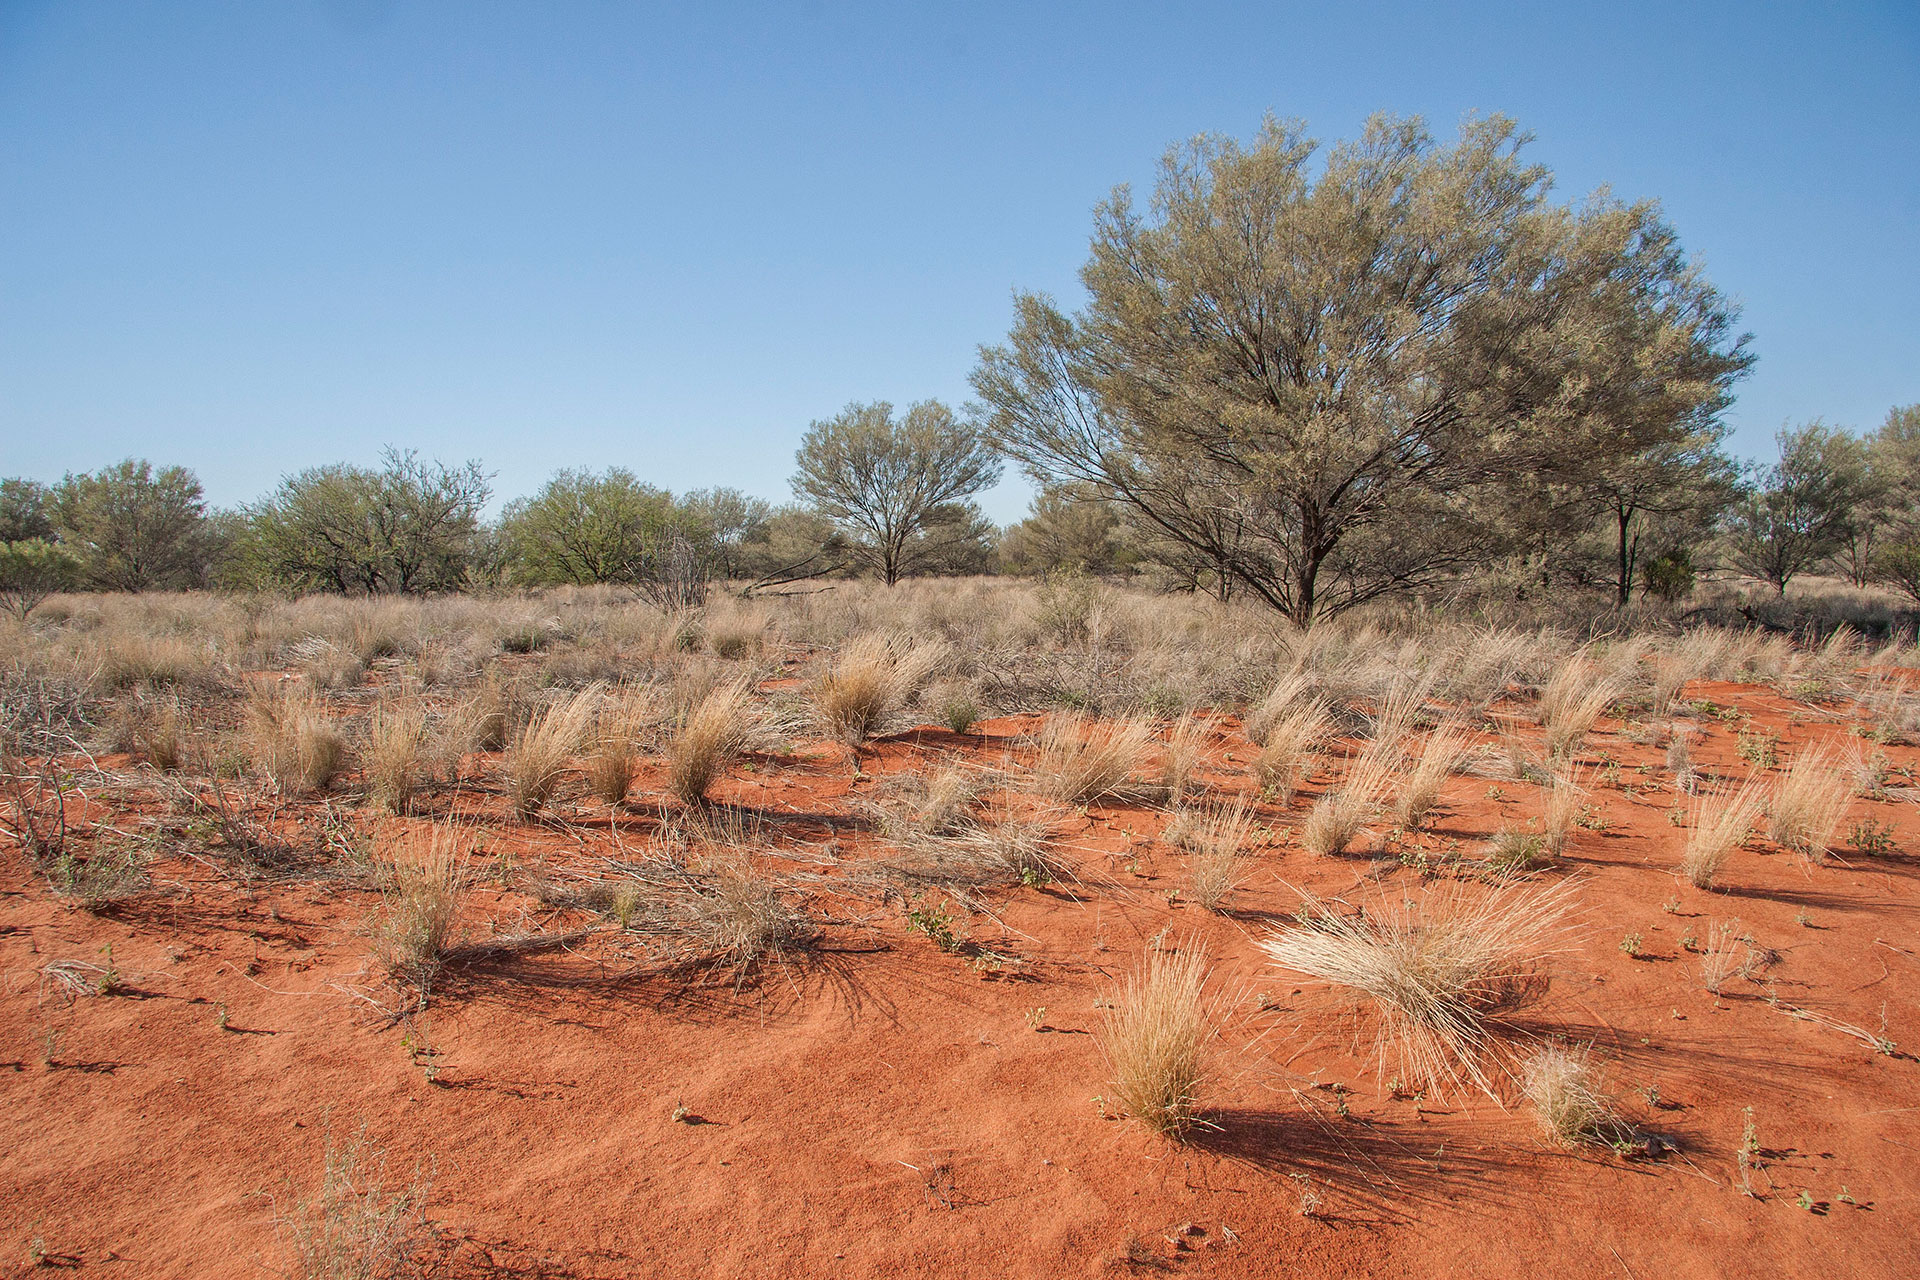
[1680,763]
[1725,955]
[542,751]
[1220,843]
[1155,1037]
[1339,816]
[396,738]
[1722,819]
[1181,755]
[426,880]
[293,741]
[1082,760]
[1514,852]
[1809,803]
[161,735]
[708,738]
[1558,809]
[937,803]
[1292,693]
[980,848]
[742,918]
[1569,708]
[1419,789]
[614,760]
[1291,742]
[870,679]
[1564,1089]
[1439,972]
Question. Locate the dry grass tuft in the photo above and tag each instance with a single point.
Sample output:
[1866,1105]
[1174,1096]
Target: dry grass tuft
[396,736]
[1338,817]
[980,849]
[1722,820]
[425,889]
[873,676]
[1181,756]
[1082,760]
[1809,803]
[541,752]
[1571,713]
[707,740]
[1292,694]
[1155,1037]
[1561,1084]
[161,735]
[1439,972]
[1219,842]
[1558,809]
[1292,741]
[293,741]
[615,758]
[1420,788]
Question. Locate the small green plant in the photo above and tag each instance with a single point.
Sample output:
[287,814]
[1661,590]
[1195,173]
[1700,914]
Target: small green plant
[1761,750]
[936,921]
[959,713]
[680,1112]
[1631,945]
[1036,1018]
[1805,1201]
[1591,819]
[1873,839]
[1802,919]
[1671,906]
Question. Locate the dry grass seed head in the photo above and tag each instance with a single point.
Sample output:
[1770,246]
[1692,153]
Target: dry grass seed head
[1573,715]
[1809,803]
[1221,842]
[357,1224]
[426,885]
[293,740]
[396,737]
[1291,742]
[1558,809]
[1181,755]
[1339,816]
[1438,972]
[1155,1037]
[615,757]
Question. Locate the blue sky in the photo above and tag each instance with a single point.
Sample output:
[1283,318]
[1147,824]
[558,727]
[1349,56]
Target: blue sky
[254,237]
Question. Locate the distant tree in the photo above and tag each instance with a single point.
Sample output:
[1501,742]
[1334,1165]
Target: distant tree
[1795,512]
[132,528]
[31,569]
[1886,520]
[732,521]
[1323,379]
[407,527]
[588,527]
[887,483]
[23,511]
[1070,527]
[796,544]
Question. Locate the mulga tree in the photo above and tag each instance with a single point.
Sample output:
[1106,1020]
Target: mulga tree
[1324,378]
[897,488]
[131,527]
[1794,512]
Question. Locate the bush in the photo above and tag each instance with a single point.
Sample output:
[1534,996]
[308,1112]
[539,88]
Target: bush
[1154,1037]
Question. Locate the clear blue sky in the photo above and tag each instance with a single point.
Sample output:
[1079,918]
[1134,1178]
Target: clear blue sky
[252,237]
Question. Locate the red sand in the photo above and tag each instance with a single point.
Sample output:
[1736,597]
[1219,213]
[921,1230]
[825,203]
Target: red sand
[879,1107]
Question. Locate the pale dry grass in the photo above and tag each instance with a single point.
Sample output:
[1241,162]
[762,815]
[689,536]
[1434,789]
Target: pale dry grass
[1155,1036]
[1809,803]
[1724,956]
[872,677]
[396,739]
[1721,821]
[708,738]
[1572,703]
[1221,842]
[614,758]
[1081,759]
[1439,972]
[540,754]
[359,1223]
[1291,743]
[1419,788]
[427,880]
[293,741]
[1339,816]
[1293,692]
[1564,1089]
[1559,807]
[1180,757]
[161,735]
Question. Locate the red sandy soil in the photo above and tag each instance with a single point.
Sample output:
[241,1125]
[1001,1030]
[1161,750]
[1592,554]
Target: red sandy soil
[879,1107]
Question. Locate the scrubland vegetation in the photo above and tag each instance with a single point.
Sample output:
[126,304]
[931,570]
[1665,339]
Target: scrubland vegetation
[1293,808]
